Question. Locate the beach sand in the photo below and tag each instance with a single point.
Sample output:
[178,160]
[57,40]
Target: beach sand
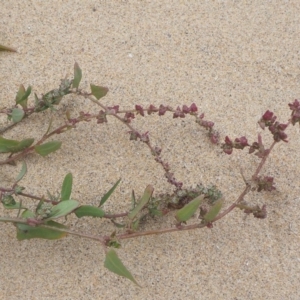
[234,60]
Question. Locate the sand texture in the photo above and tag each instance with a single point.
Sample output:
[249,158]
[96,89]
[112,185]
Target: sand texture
[234,60]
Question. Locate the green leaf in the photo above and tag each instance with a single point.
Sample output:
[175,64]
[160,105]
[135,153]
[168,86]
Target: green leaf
[49,126]
[27,214]
[98,91]
[108,194]
[13,145]
[8,200]
[213,212]
[133,200]
[185,213]
[26,232]
[62,209]
[155,212]
[114,244]
[5,48]
[17,205]
[19,97]
[6,144]
[77,76]
[144,200]
[17,114]
[89,211]
[66,188]
[26,143]
[47,148]
[22,172]
[135,224]
[22,96]
[115,265]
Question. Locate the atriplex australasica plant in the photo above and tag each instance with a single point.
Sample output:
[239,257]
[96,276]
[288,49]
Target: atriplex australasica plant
[204,202]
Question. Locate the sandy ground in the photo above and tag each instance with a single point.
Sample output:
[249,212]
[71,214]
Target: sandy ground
[235,60]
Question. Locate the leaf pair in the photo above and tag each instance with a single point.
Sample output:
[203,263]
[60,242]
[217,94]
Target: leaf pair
[22,96]
[97,91]
[14,146]
[26,231]
[185,213]
[92,211]
[85,210]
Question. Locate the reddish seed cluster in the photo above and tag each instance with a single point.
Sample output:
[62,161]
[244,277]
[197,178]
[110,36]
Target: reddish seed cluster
[265,183]
[239,143]
[267,120]
[112,110]
[260,213]
[277,129]
[180,113]
[128,117]
[101,118]
[295,107]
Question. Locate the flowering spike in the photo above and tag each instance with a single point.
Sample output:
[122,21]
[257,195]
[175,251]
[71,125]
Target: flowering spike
[267,119]
[101,118]
[240,143]
[112,110]
[185,109]
[193,108]
[151,109]
[139,110]
[128,117]
[178,113]
[162,110]
[265,183]
[295,107]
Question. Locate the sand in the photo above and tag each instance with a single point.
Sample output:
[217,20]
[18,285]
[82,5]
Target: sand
[234,60]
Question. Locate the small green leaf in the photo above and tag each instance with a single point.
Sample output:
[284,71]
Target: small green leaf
[185,213]
[19,97]
[6,144]
[22,96]
[89,211]
[26,232]
[26,143]
[62,209]
[49,126]
[17,114]
[47,148]
[77,76]
[144,200]
[115,265]
[39,206]
[213,212]
[66,188]
[98,91]
[13,145]
[114,244]
[108,194]
[135,224]
[27,214]
[22,172]
[133,200]
[8,200]
[17,205]
[5,48]
[155,212]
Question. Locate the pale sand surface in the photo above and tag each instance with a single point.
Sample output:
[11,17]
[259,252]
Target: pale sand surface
[235,60]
